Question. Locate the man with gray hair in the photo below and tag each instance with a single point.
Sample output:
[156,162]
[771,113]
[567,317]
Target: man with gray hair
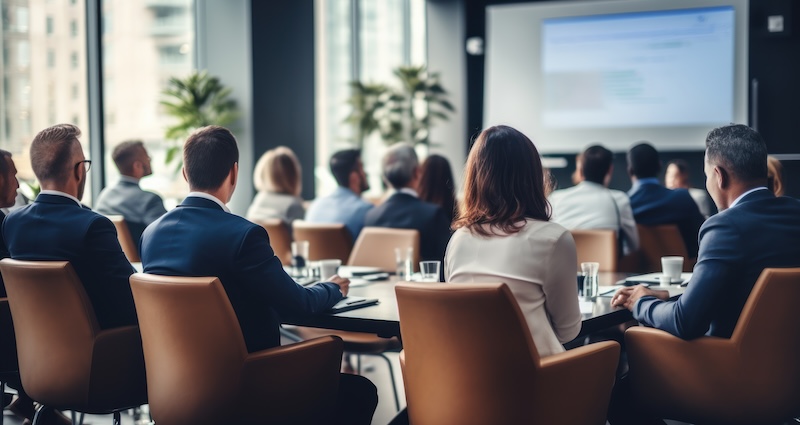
[404,210]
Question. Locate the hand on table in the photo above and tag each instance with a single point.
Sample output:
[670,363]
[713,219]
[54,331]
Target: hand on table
[627,296]
[344,284]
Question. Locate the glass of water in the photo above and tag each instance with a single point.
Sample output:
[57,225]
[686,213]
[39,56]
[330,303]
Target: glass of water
[430,270]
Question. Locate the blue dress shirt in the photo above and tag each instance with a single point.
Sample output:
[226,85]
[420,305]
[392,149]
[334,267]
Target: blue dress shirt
[341,206]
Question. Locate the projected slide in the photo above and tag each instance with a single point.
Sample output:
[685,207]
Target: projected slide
[664,68]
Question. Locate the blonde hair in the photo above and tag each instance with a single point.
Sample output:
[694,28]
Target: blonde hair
[774,171]
[278,170]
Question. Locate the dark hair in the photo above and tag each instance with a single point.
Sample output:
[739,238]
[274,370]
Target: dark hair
[681,165]
[342,165]
[595,163]
[3,163]
[740,150]
[208,156]
[436,184]
[643,161]
[125,154]
[51,151]
[503,183]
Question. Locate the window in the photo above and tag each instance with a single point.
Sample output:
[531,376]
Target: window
[49,25]
[51,58]
[20,20]
[23,54]
[75,92]
[73,28]
[73,60]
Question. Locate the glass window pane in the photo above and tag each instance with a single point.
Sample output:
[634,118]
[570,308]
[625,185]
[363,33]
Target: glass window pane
[154,41]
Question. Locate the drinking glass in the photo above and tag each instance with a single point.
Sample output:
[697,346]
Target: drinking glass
[589,272]
[405,265]
[299,257]
[430,270]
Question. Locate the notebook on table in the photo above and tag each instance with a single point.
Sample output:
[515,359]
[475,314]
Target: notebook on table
[352,302]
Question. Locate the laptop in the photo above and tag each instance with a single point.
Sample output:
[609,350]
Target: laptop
[352,302]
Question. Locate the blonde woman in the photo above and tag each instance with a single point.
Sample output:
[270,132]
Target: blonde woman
[277,178]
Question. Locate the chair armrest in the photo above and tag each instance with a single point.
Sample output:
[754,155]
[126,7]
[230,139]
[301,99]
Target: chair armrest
[118,375]
[672,375]
[584,370]
[300,379]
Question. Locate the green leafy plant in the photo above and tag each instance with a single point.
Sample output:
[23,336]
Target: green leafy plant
[403,113]
[195,101]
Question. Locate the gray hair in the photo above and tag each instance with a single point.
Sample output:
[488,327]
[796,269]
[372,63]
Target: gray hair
[399,164]
[740,149]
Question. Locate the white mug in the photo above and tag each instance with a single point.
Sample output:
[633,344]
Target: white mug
[328,268]
[672,266]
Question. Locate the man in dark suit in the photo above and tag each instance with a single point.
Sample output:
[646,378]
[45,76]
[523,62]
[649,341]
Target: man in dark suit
[202,238]
[126,198]
[8,194]
[753,230]
[56,227]
[654,204]
[404,210]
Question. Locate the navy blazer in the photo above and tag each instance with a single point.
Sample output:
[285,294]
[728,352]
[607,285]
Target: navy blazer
[3,254]
[56,228]
[761,231]
[200,239]
[654,204]
[403,211]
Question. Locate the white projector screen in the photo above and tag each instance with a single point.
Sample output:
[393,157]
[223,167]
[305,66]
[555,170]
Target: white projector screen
[570,74]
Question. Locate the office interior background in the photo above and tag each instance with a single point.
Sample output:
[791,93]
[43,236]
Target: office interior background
[102,65]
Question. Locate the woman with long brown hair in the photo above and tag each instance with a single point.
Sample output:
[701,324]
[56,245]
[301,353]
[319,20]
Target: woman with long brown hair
[436,184]
[504,234]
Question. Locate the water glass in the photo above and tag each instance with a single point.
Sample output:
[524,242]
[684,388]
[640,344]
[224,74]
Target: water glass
[405,262]
[328,268]
[430,270]
[590,283]
[299,257]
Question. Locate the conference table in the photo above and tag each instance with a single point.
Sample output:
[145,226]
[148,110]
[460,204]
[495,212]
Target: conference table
[383,319]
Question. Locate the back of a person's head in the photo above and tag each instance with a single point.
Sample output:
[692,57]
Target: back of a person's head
[436,182]
[209,154]
[643,161]
[125,154]
[52,150]
[399,165]
[503,183]
[342,164]
[740,150]
[278,171]
[595,163]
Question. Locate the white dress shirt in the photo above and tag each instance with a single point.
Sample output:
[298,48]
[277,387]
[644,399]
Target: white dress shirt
[589,205]
[538,265]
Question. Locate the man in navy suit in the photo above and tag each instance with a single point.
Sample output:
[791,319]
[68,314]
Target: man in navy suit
[404,209]
[56,227]
[202,238]
[654,204]
[8,194]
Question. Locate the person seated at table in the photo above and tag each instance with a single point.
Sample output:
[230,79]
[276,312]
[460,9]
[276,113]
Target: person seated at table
[591,205]
[775,175]
[345,204]
[753,230]
[504,234]
[138,207]
[278,179]
[677,176]
[436,184]
[404,210]
[56,227]
[202,238]
[654,204]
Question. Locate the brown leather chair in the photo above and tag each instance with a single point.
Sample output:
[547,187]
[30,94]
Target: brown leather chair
[8,348]
[325,241]
[280,238]
[597,246]
[199,371]
[658,241]
[753,377]
[65,361]
[469,358]
[129,246]
[375,247]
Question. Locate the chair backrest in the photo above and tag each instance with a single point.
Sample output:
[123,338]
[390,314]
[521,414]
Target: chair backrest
[375,247]
[55,326]
[280,238]
[658,241]
[193,346]
[469,356]
[129,246]
[325,241]
[597,246]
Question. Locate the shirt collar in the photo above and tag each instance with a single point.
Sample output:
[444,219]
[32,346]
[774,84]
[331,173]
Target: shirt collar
[641,182]
[344,191]
[210,198]
[59,193]
[128,179]
[408,191]
[736,201]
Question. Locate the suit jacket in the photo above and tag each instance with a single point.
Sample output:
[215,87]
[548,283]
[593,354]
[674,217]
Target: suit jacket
[735,246]
[56,228]
[404,211]
[3,254]
[654,204]
[127,199]
[200,239]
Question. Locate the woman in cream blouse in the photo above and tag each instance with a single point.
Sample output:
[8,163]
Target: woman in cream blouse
[504,235]
[277,179]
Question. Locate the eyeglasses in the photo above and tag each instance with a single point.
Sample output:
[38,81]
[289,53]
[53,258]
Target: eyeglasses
[87,162]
